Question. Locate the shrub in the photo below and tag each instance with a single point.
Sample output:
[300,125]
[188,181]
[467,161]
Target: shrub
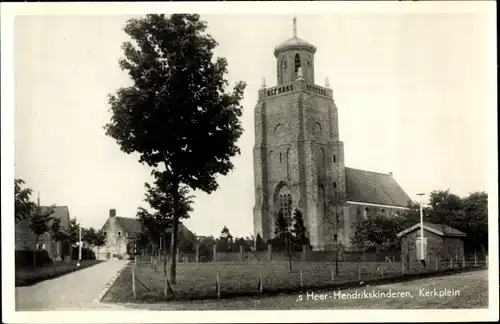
[24,258]
[87,254]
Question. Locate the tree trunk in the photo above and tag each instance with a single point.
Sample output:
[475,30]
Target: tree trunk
[173,249]
[34,253]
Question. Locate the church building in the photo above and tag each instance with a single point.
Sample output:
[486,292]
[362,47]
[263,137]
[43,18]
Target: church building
[299,157]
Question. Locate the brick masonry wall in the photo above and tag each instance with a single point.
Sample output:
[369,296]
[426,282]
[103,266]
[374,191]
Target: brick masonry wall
[445,248]
[296,138]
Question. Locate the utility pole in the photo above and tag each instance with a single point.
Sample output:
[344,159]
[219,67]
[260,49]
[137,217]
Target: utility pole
[79,244]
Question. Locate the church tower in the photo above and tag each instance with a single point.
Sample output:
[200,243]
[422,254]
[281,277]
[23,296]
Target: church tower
[298,155]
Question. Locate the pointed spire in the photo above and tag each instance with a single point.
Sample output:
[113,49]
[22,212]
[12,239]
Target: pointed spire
[263,83]
[294,27]
[327,82]
[38,199]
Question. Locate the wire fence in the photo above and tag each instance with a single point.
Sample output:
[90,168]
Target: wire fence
[150,280]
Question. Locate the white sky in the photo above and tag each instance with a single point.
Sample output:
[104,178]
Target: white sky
[415,95]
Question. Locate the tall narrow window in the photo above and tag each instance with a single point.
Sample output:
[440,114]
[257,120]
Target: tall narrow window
[334,158]
[281,159]
[285,202]
[334,185]
[297,62]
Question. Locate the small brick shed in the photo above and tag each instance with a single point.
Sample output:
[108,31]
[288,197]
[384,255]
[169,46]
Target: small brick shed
[443,242]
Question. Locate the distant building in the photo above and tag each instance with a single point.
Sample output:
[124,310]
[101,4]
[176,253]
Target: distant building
[122,233]
[443,241]
[299,157]
[25,239]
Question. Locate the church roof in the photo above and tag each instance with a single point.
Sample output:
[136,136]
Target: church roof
[374,188]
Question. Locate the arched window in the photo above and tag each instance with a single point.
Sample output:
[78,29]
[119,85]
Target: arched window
[297,62]
[309,61]
[285,202]
[284,66]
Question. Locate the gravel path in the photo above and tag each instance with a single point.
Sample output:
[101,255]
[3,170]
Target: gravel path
[78,290]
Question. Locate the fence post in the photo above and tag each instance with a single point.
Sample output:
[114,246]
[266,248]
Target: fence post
[133,280]
[301,280]
[214,254]
[402,266]
[359,272]
[437,263]
[241,253]
[197,253]
[270,252]
[218,285]
[135,260]
[165,284]
[475,259]
[463,261]
[333,277]
[261,284]
[382,272]
[451,263]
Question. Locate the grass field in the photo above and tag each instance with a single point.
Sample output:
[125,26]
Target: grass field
[199,281]
[473,287]
[26,276]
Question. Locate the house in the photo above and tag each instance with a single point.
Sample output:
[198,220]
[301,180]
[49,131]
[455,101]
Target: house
[122,233]
[25,238]
[443,242]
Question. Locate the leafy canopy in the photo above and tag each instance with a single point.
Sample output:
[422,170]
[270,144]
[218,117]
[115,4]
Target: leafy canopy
[23,206]
[178,112]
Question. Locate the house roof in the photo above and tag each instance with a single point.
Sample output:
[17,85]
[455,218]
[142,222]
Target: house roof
[133,226]
[60,212]
[374,188]
[439,229]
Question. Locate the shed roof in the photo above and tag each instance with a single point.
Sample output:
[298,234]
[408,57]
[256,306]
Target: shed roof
[374,188]
[439,229]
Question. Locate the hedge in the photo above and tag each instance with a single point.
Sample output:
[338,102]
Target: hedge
[24,258]
[87,254]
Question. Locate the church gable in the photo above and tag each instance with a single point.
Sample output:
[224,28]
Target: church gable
[374,188]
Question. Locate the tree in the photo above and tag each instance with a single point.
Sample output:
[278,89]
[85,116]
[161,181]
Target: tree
[377,229]
[57,235]
[39,223]
[23,206]
[260,244]
[89,236]
[475,224]
[444,208]
[100,239]
[299,229]
[281,228]
[73,231]
[225,242]
[160,197]
[178,112]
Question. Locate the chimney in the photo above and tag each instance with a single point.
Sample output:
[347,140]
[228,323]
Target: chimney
[390,173]
[112,212]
